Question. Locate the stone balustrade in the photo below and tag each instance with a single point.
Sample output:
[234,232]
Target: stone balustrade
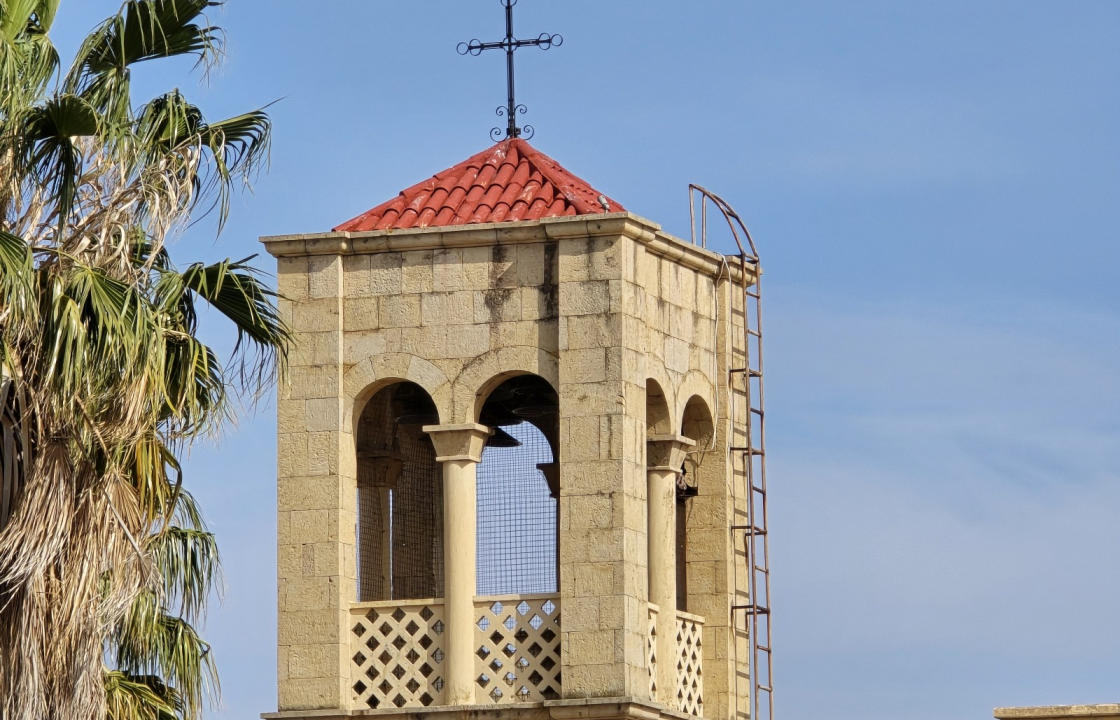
[688,694]
[399,651]
[518,655]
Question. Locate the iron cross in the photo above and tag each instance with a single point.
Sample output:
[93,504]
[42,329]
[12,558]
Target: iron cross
[475,47]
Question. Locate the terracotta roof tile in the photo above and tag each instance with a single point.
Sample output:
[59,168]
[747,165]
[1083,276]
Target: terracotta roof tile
[506,182]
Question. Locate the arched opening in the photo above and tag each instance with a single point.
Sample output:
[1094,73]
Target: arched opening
[400,497]
[659,423]
[696,425]
[518,488]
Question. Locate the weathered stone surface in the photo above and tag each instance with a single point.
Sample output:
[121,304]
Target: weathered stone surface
[598,308]
[1107,711]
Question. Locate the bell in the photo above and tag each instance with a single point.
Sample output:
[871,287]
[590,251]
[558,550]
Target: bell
[502,439]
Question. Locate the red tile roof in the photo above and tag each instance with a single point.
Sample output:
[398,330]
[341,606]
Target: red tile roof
[509,181]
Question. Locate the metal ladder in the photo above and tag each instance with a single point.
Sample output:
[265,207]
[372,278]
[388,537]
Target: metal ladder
[748,428]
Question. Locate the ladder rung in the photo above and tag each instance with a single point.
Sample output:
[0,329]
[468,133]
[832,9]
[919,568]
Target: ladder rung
[750,371]
[754,295]
[747,449]
[754,333]
[750,529]
[766,688]
[753,609]
[757,489]
[757,411]
[764,648]
[761,570]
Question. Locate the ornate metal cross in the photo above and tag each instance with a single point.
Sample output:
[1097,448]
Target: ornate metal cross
[475,47]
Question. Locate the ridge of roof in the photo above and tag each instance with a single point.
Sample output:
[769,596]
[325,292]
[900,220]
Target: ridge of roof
[506,182]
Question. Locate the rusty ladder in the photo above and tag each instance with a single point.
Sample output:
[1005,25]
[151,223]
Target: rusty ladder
[745,385]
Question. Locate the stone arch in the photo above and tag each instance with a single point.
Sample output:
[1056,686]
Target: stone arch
[517,491]
[697,423]
[695,385]
[482,375]
[398,484]
[699,488]
[659,416]
[374,373]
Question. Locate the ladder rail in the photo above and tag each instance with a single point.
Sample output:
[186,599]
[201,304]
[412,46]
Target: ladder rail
[752,454]
[758,555]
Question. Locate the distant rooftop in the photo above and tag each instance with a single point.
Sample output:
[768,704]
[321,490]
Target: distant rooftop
[506,182]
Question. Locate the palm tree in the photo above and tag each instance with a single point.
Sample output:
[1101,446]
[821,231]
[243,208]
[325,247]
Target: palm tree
[105,564]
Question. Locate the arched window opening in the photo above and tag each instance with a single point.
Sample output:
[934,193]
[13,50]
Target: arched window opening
[697,426]
[658,422]
[518,487]
[400,497]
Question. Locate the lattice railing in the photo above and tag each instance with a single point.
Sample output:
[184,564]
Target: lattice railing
[690,654]
[398,653]
[689,696]
[651,649]
[518,648]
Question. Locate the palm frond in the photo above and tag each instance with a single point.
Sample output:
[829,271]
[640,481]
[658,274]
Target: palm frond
[154,642]
[228,150]
[157,478]
[188,561]
[139,697]
[94,321]
[49,136]
[142,30]
[17,299]
[235,289]
[27,57]
[238,146]
[20,15]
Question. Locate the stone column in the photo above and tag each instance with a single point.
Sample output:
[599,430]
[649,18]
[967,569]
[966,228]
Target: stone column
[459,450]
[665,456]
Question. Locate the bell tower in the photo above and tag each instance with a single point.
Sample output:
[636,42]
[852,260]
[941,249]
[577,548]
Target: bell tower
[515,458]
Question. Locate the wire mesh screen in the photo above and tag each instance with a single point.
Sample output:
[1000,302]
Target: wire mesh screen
[682,509]
[400,505]
[516,517]
[417,509]
[373,531]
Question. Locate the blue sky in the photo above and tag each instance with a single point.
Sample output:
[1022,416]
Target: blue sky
[934,188]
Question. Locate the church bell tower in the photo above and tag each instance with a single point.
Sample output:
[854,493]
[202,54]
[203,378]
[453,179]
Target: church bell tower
[516,458]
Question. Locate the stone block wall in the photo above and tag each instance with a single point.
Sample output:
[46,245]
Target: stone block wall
[594,306]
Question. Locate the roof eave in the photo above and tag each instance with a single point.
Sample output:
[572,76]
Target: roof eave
[627,224]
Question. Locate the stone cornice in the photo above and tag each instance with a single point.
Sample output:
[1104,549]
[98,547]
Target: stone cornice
[625,224]
[1108,711]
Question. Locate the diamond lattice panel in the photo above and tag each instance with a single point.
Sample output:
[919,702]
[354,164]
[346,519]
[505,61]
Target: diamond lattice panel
[398,654]
[690,679]
[518,649]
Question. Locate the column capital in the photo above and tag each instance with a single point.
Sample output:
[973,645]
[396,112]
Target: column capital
[379,468]
[666,452]
[458,442]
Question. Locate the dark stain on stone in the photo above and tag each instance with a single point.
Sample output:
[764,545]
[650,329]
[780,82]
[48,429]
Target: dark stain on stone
[549,288]
[495,299]
[501,269]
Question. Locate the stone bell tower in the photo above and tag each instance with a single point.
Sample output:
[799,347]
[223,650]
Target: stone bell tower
[507,457]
